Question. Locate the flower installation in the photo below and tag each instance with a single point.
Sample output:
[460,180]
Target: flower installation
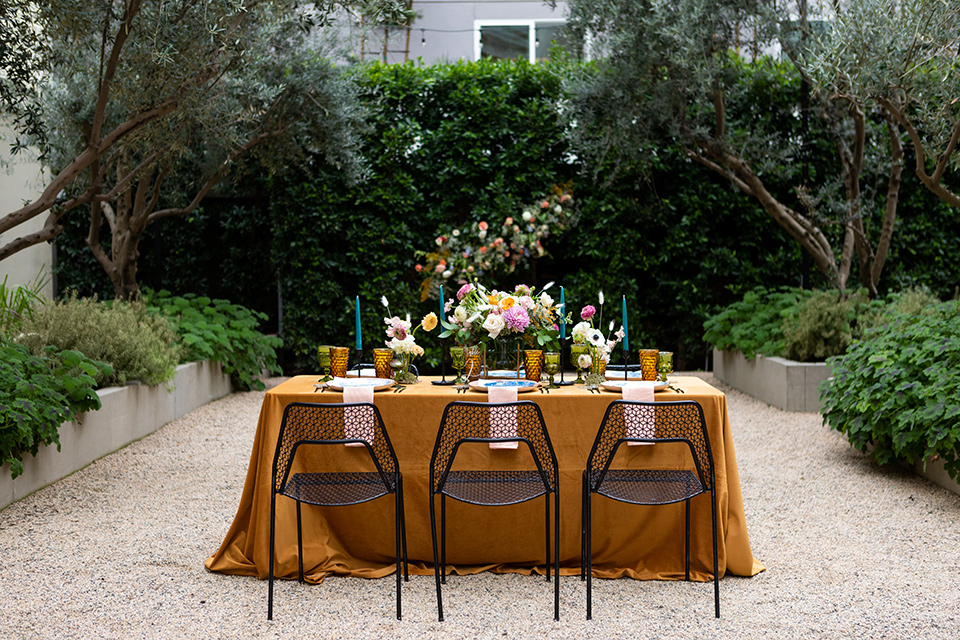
[599,347]
[468,252]
[512,318]
[402,339]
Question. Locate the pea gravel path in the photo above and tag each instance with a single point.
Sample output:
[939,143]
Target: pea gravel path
[117,549]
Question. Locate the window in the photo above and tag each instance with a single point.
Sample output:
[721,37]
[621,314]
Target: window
[525,39]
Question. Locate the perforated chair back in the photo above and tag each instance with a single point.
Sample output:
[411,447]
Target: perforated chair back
[490,422]
[329,424]
[681,422]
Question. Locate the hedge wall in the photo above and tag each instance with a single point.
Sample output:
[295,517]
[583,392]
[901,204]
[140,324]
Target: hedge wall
[473,141]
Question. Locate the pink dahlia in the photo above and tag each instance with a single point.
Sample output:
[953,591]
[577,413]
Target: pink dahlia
[516,318]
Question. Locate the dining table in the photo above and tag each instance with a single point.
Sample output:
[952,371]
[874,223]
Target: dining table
[642,542]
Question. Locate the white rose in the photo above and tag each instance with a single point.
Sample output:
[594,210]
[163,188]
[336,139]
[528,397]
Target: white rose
[447,273]
[546,300]
[527,216]
[493,325]
[461,314]
[584,361]
[558,209]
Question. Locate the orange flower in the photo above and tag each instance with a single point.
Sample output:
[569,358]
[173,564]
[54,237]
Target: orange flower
[492,299]
[506,303]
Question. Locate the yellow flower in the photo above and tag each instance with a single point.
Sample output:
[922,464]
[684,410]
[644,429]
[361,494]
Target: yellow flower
[506,303]
[492,299]
[429,321]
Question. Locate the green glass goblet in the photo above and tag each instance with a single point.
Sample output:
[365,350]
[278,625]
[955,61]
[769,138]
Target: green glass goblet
[664,364]
[551,365]
[323,357]
[458,357]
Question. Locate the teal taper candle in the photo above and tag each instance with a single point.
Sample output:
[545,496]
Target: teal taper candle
[563,316]
[359,336]
[626,341]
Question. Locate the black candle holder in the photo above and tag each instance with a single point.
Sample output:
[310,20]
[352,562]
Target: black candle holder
[443,366]
[562,382]
[359,354]
[626,365]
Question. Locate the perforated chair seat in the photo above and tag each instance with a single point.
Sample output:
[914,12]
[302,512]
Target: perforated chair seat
[494,487]
[650,486]
[336,489]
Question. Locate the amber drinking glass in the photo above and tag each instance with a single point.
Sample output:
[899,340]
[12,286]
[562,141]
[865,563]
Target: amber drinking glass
[339,357]
[381,362]
[533,364]
[648,363]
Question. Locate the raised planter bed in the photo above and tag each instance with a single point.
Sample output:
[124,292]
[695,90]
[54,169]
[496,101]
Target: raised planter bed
[127,414]
[782,383]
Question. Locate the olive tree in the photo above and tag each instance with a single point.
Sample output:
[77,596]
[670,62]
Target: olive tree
[902,57]
[132,92]
[670,72]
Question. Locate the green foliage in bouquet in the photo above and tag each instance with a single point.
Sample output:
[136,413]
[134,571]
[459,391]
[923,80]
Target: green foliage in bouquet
[38,393]
[221,331]
[135,343]
[898,389]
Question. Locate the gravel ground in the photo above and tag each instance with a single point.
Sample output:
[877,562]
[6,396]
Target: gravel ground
[117,549]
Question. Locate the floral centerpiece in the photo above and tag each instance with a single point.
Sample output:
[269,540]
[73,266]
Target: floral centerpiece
[599,347]
[522,317]
[402,339]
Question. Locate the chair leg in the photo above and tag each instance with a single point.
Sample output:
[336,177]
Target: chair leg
[299,546]
[443,538]
[546,533]
[397,519]
[686,544]
[583,530]
[716,562]
[403,531]
[556,555]
[273,520]
[589,555]
[436,559]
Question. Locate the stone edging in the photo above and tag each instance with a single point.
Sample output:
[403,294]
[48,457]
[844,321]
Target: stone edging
[782,383]
[127,414]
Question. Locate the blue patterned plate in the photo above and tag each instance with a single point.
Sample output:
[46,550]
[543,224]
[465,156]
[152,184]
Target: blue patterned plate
[505,373]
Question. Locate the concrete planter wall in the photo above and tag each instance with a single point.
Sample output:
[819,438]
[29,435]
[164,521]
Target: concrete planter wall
[782,383]
[127,414]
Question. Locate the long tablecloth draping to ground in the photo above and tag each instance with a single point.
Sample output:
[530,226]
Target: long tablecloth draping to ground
[628,540]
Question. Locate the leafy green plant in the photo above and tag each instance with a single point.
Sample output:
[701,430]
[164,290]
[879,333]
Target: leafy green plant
[754,326]
[898,389]
[221,331]
[38,393]
[16,303]
[137,345]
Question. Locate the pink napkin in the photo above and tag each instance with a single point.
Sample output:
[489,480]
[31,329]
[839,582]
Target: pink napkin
[503,420]
[640,420]
[358,422]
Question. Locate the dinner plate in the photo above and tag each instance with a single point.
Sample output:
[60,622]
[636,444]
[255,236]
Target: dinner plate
[378,384]
[617,385]
[522,386]
[505,373]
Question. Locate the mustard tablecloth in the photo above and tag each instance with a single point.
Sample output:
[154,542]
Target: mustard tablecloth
[628,540]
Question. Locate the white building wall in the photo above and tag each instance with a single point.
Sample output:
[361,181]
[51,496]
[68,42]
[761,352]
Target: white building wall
[22,181]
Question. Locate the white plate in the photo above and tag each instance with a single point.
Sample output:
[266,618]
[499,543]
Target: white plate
[378,384]
[617,385]
[505,373]
[522,386]
[618,375]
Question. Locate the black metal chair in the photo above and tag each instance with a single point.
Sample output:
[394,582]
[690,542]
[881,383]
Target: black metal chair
[470,422]
[652,422]
[335,424]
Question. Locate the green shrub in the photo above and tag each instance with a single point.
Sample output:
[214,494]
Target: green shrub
[137,345]
[825,324]
[218,330]
[898,389]
[38,393]
[754,326]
